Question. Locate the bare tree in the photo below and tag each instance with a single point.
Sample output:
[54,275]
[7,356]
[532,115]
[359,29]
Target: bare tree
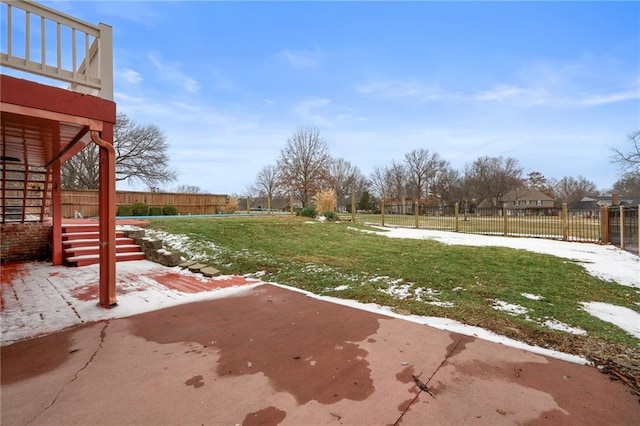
[346,178]
[141,155]
[422,170]
[268,183]
[629,161]
[380,182]
[628,185]
[570,189]
[188,189]
[492,177]
[445,186]
[398,184]
[304,164]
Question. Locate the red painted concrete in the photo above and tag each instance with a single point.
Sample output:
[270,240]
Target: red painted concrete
[272,356]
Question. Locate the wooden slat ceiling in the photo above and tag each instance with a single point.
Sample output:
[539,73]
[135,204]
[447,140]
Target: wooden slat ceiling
[29,140]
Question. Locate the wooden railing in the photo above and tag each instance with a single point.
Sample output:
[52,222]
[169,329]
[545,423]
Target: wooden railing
[43,41]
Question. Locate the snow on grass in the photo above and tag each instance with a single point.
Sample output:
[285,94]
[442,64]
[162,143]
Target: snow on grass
[560,326]
[625,318]
[531,296]
[509,308]
[605,262]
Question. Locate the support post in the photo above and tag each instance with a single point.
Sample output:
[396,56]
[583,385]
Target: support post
[456,213]
[107,215]
[505,229]
[621,227]
[56,199]
[565,222]
[604,225]
[291,204]
[416,212]
[382,212]
[268,203]
[353,206]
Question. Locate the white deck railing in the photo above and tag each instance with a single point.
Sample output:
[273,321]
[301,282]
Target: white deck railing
[49,43]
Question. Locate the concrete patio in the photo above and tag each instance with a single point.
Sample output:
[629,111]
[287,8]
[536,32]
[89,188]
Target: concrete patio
[182,349]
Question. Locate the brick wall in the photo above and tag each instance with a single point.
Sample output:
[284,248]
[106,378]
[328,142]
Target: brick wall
[25,241]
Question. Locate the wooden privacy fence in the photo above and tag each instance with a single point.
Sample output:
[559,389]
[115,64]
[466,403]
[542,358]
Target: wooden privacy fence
[86,201]
[615,225]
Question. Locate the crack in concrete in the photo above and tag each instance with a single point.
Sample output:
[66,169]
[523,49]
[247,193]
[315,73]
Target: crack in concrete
[103,335]
[420,389]
[69,304]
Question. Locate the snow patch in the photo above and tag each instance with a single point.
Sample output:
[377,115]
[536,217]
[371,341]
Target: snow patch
[532,296]
[625,318]
[510,308]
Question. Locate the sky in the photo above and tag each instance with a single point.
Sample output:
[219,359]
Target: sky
[555,85]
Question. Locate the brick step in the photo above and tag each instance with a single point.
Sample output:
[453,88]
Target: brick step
[82,251]
[91,259]
[94,242]
[86,235]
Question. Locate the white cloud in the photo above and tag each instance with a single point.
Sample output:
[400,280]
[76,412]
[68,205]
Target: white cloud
[398,89]
[129,75]
[170,71]
[316,111]
[299,59]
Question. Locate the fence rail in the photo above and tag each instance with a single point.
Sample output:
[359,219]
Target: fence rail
[43,41]
[615,225]
[86,201]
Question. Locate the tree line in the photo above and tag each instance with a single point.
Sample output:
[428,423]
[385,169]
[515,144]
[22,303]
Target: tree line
[305,166]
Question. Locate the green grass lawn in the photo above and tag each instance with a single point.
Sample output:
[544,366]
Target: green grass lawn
[337,260]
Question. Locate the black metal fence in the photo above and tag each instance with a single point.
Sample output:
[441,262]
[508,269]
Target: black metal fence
[605,225]
[622,227]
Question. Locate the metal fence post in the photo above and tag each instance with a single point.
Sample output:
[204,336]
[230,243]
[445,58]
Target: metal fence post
[416,212]
[565,222]
[456,213]
[622,227]
[291,204]
[504,219]
[382,211]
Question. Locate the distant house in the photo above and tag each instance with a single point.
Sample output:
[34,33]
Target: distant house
[587,207]
[590,206]
[522,202]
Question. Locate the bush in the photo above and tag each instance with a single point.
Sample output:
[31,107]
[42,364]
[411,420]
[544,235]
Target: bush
[331,215]
[155,211]
[140,209]
[326,200]
[124,211]
[309,212]
[169,210]
[231,206]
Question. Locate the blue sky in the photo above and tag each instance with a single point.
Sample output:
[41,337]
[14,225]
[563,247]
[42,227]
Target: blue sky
[552,84]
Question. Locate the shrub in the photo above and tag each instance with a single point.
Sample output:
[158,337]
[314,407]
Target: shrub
[155,211]
[326,200]
[231,206]
[140,209]
[170,210]
[331,216]
[309,212]
[124,211]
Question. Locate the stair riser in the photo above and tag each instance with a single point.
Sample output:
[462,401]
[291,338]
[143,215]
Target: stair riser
[96,250]
[90,243]
[86,235]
